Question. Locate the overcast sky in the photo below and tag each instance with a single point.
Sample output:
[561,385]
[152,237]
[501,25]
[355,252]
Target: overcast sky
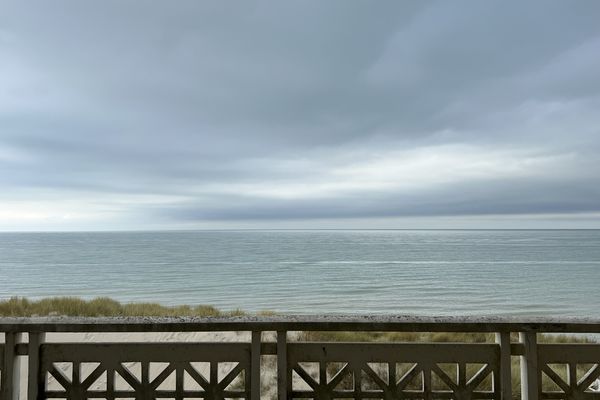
[325,114]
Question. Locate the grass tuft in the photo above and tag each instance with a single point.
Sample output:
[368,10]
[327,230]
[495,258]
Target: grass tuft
[103,307]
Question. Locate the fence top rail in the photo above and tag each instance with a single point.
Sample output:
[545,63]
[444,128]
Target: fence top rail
[301,323]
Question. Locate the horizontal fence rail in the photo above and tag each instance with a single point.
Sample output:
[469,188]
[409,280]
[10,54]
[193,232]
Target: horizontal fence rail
[80,369]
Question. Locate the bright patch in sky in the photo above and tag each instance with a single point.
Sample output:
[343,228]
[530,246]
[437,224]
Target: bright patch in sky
[118,115]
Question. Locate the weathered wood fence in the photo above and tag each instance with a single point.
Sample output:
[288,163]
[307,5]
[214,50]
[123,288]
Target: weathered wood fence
[324,370]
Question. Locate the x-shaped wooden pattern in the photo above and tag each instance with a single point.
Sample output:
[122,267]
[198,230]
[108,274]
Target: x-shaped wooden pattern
[357,360]
[572,357]
[177,359]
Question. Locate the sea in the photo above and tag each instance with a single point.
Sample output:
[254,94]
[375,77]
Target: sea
[394,272]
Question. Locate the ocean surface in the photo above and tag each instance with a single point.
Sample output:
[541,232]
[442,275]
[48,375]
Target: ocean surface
[445,272]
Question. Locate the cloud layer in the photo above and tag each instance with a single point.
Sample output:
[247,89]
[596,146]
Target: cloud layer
[119,115]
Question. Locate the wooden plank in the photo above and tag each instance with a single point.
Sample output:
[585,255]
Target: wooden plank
[503,339]
[301,323]
[148,352]
[110,383]
[563,353]
[35,380]
[268,348]
[517,349]
[393,352]
[530,373]
[10,367]
[427,389]
[283,385]
[255,365]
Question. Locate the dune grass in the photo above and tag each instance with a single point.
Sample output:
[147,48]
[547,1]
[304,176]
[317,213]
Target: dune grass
[103,307]
[107,307]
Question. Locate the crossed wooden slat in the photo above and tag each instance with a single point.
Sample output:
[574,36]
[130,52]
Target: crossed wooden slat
[216,389]
[396,389]
[574,389]
[145,388]
[464,389]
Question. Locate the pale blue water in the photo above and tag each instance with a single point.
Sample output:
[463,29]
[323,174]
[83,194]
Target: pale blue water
[383,272]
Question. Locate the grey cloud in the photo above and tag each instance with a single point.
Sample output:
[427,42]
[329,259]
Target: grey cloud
[199,100]
[473,200]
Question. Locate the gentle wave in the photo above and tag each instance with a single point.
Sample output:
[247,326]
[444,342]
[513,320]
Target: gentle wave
[80,264]
[407,272]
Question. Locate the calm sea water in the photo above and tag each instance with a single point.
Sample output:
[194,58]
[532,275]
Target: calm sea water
[383,272]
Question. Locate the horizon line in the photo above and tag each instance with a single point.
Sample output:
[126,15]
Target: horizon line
[294,229]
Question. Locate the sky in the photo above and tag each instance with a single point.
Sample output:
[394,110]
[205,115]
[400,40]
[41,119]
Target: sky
[127,115]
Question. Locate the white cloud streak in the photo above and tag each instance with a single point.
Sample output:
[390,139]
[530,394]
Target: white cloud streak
[117,115]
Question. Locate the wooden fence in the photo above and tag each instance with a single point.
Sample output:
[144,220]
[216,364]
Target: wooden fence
[323,370]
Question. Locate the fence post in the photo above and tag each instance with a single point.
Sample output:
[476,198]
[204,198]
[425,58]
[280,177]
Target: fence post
[35,382]
[503,339]
[282,375]
[10,370]
[255,365]
[530,379]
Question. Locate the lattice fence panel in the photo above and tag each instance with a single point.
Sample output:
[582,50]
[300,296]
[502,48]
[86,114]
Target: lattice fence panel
[145,371]
[569,371]
[393,371]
